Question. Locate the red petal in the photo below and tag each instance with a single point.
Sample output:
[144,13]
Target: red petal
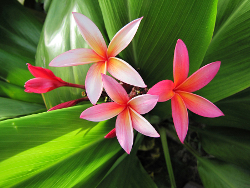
[200,78]
[68,104]
[180,116]
[124,130]
[200,105]
[111,134]
[41,72]
[181,62]
[164,89]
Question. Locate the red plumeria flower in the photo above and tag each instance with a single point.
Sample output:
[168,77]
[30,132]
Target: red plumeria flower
[180,90]
[68,104]
[128,111]
[103,57]
[45,81]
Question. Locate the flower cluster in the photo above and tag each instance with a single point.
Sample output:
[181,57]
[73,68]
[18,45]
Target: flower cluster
[126,107]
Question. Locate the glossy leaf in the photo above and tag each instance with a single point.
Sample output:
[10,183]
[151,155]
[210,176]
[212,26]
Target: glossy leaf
[228,144]
[56,151]
[152,49]
[218,174]
[230,45]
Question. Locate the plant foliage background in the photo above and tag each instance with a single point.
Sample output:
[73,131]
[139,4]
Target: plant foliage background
[58,149]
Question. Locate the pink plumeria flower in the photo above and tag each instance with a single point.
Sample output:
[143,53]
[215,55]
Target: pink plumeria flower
[128,111]
[103,57]
[45,81]
[180,90]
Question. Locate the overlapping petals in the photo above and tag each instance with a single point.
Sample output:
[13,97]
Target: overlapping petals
[45,81]
[128,111]
[179,90]
[100,54]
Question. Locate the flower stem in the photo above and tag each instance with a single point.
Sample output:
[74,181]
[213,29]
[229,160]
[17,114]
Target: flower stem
[75,85]
[167,156]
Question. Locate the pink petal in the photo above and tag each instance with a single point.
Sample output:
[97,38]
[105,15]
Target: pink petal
[142,104]
[114,90]
[41,85]
[200,105]
[93,82]
[41,72]
[164,89]
[91,34]
[200,78]
[76,57]
[102,111]
[124,72]
[180,116]
[181,62]
[142,125]
[124,130]
[111,134]
[68,104]
[123,38]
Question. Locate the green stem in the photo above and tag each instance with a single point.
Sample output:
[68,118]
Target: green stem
[167,156]
[192,150]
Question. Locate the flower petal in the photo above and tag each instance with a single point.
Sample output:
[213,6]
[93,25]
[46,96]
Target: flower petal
[124,130]
[123,38]
[41,72]
[180,116]
[93,82]
[140,124]
[42,85]
[75,57]
[68,104]
[91,34]
[200,78]
[102,111]
[142,104]
[181,62]
[164,89]
[123,71]
[111,134]
[200,105]
[114,90]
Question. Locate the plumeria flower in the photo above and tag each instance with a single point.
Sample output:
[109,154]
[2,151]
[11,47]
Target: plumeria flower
[68,104]
[128,111]
[180,90]
[45,81]
[103,56]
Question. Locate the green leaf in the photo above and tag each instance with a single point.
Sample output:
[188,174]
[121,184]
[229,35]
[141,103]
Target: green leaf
[235,109]
[12,108]
[218,174]
[61,34]
[230,45]
[58,150]
[151,51]
[228,144]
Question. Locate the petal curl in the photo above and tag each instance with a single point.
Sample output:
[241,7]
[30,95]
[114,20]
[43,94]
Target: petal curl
[41,72]
[114,90]
[200,78]
[142,104]
[123,71]
[164,89]
[181,62]
[93,82]
[76,57]
[140,124]
[91,34]
[200,105]
[180,116]
[42,85]
[124,130]
[123,37]
[102,111]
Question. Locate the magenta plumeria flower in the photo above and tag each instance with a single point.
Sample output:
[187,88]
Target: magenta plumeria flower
[128,111]
[180,90]
[45,81]
[103,56]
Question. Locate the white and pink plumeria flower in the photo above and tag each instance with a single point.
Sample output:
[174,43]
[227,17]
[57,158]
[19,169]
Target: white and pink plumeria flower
[180,90]
[102,56]
[128,111]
